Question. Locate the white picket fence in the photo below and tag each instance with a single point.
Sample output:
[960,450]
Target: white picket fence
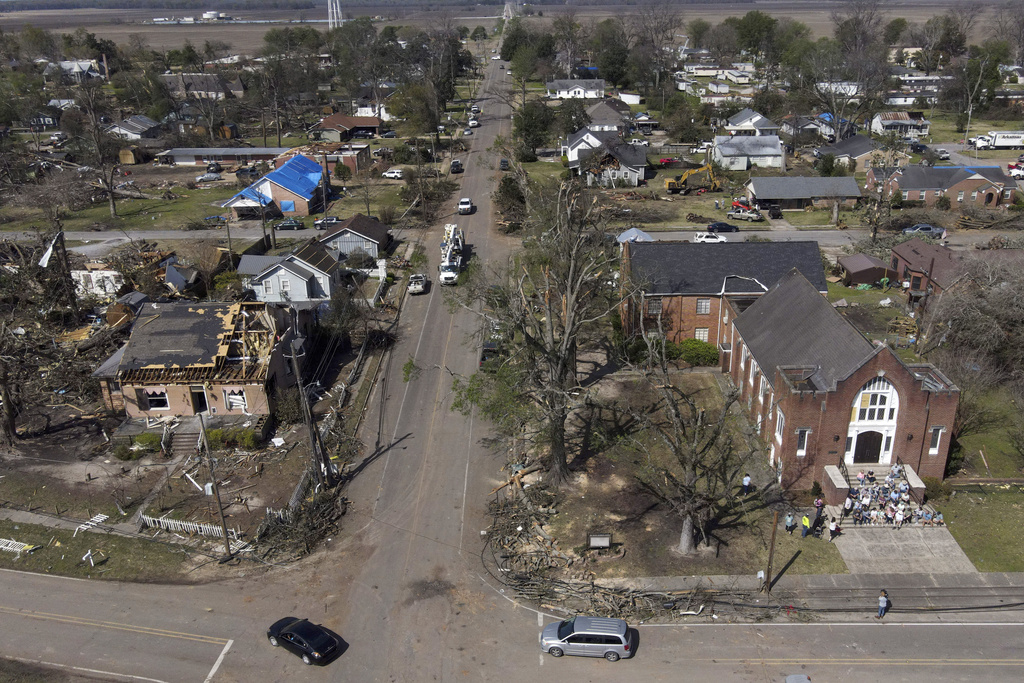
[200,528]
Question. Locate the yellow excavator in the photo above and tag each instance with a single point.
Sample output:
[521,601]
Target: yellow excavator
[678,184]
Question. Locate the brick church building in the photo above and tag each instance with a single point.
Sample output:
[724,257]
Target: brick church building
[820,394]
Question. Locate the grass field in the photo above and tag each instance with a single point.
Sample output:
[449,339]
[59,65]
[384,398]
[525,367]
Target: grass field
[986,522]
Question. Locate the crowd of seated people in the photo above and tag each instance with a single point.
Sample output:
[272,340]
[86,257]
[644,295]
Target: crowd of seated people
[887,502]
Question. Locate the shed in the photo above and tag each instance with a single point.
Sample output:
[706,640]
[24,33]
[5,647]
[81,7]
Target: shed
[861,269]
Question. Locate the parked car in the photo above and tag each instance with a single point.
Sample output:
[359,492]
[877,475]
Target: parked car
[503,165]
[925,230]
[708,238]
[363,134]
[640,142]
[1017,173]
[942,154]
[208,177]
[393,173]
[326,222]
[475,109]
[775,211]
[389,134]
[745,214]
[701,148]
[495,58]
[291,224]
[473,123]
[313,643]
[589,637]
[456,166]
[417,283]
[247,173]
[468,131]
[465,206]
[722,226]
[214,167]
[490,350]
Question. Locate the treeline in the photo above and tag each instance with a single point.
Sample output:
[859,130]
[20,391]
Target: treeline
[190,5]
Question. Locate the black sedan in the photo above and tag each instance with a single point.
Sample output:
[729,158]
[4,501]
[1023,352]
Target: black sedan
[291,224]
[314,644]
[721,226]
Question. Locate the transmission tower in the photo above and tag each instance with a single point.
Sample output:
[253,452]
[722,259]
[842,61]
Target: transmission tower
[334,18]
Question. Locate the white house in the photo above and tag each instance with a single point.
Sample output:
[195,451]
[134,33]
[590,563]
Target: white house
[742,152]
[703,70]
[718,87]
[309,274]
[737,77]
[135,128]
[576,89]
[585,139]
[750,122]
[903,123]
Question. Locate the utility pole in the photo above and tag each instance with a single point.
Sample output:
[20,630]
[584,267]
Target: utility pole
[771,555]
[323,470]
[216,491]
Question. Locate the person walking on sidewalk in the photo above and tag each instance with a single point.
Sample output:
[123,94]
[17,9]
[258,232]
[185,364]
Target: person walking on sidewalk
[805,524]
[883,604]
[833,530]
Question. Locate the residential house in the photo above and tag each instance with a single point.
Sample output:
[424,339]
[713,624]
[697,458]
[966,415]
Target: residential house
[356,156]
[750,122]
[736,76]
[683,286]
[613,163]
[859,153]
[576,89]
[208,86]
[964,185]
[825,398]
[304,278]
[905,124]
[703,70]
[718,88]
[799,192]
[296,188]
[135,127]
[186,358]
[373,102]
[742,152]
[358,234]
[341,128]
[609,115]
[228,156]
[74,71]
[585,139]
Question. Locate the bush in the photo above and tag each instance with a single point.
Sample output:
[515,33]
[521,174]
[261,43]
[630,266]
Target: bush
[816,490]
[123,452]
[936,489]
[149,441]
[696,352]
[287,406]
[943,203]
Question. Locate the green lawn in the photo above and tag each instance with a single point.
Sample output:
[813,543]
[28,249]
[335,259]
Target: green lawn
[986,522]
[133,214]
[126,559]
[943,128]
[993,440]
[818,219]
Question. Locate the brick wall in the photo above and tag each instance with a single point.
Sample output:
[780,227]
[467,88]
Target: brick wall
[680,320]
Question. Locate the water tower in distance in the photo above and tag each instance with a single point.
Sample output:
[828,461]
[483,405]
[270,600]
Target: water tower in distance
[334,18]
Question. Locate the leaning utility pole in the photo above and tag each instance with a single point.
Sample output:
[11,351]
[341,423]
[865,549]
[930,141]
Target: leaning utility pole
[323,470]
[205,446]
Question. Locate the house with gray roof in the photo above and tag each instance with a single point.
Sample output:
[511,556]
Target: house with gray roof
[750,122]
[586,139]
[135,128]
[306,277]
[979,186]
[798,192]
[742,152]
[605,116]
[576,89]
[614,163]
[824,398]
[682,286]
[358,234]
[859,153]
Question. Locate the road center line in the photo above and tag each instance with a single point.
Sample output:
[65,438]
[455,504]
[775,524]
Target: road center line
[116,626]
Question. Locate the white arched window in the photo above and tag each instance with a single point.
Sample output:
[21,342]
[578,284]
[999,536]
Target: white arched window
[873,418]
[876,403]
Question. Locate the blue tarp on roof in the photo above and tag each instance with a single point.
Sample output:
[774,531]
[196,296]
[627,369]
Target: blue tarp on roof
[299,174]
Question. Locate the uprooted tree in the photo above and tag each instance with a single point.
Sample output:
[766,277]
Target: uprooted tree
[545,307]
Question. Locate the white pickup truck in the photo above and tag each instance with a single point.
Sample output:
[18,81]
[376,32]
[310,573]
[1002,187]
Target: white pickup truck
[742,214]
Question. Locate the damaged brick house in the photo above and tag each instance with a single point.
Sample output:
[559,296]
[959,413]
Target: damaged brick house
[825,399]
[186,358]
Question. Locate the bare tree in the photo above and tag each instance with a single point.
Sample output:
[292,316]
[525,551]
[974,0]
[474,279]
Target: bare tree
[103,148]
[570,37]
[1009,21]
[858,25]
[546,302]
[652,31]
[698,481]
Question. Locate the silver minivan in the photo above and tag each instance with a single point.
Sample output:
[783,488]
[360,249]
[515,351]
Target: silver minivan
[589,637]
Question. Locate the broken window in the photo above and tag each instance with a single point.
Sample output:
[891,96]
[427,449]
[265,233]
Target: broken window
[234,399]
[152,399]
